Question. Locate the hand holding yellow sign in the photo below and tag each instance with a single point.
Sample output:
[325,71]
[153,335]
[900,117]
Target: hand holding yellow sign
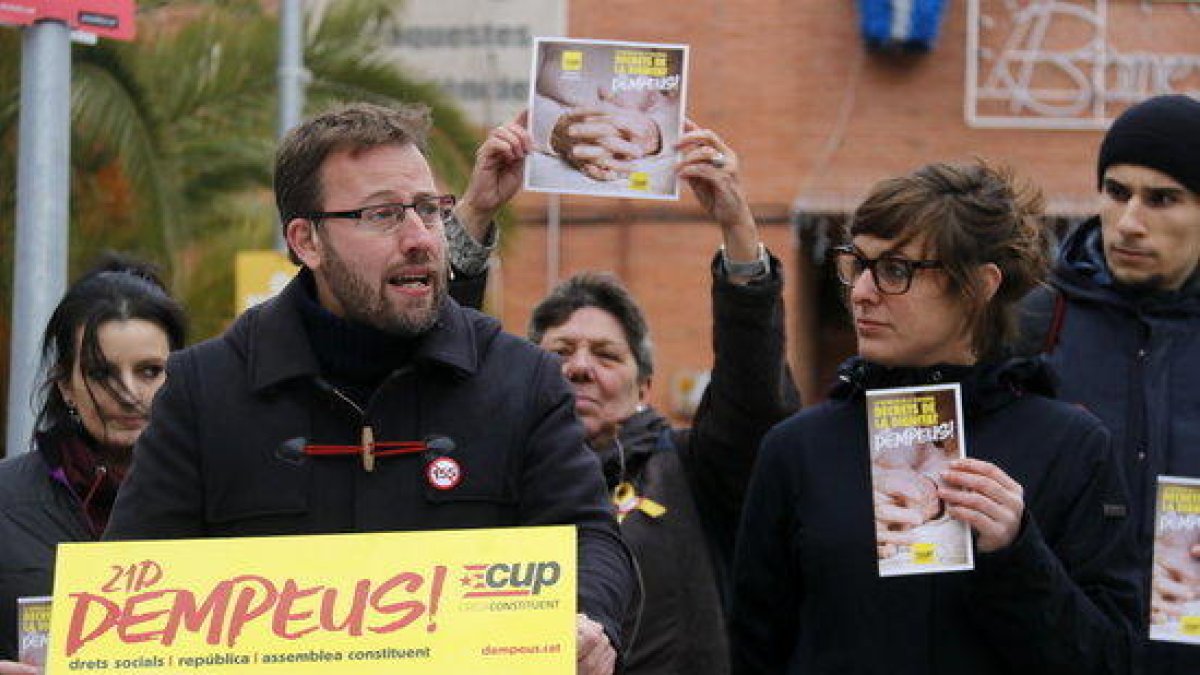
[481,601]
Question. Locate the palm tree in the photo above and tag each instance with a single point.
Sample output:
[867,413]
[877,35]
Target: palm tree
[173,136]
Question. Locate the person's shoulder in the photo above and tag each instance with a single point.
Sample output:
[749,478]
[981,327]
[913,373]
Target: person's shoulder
[20,463]
[1041,296]
[1038,320]
[830,411]
[243,330]
[1037,413]
[238,339]
[831,420]
[19,473]
[483,325]
[504,357]
[204,353]
[274,323]
[490,335]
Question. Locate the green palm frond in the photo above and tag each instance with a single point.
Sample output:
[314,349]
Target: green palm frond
[174,135]
[108,121]
[345,57]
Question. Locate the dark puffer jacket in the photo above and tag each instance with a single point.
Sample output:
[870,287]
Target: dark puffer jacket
[1132,358]
[1059,600]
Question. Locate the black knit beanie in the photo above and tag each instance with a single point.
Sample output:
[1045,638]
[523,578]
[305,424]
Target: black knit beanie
[1162,133]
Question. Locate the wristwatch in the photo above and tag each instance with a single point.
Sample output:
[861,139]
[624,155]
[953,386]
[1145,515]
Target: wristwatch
[754,269]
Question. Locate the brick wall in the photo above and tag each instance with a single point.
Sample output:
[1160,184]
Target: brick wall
[816,121]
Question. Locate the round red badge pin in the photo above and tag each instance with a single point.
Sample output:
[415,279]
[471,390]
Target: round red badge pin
[443,473]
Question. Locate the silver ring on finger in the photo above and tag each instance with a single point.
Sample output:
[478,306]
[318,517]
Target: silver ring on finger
[718,160]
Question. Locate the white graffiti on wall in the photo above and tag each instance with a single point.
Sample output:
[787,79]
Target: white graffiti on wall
[1055,67]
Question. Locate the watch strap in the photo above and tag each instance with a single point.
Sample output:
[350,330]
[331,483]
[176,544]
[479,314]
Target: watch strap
[754,269]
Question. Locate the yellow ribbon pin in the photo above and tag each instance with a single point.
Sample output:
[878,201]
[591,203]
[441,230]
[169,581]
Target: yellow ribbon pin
[627,501]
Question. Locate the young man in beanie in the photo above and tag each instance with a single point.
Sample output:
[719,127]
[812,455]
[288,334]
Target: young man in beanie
[1121,326]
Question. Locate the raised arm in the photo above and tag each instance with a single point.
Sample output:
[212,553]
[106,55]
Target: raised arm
[751,387]
[471,233]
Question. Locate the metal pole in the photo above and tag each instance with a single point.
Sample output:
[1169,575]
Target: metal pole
[553,240]
[43,177]
[292,76]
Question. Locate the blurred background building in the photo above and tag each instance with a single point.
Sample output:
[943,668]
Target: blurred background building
[173,134]
[818,110]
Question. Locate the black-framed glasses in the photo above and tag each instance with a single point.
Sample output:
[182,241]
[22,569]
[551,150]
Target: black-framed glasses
[893,274]
[386,218]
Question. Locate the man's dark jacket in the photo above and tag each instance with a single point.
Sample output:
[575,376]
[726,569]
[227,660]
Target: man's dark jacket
[700,476]
[1133,359]
[1058,600]
[221,455]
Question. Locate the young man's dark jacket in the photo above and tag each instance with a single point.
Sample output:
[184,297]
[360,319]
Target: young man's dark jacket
[222,455]
[1132,358]
[1059,599]
[699,475]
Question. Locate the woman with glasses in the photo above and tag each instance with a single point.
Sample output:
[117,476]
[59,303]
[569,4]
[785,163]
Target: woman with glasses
[935,265]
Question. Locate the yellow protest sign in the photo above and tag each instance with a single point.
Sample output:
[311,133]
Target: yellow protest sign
[463,601]
[259,276]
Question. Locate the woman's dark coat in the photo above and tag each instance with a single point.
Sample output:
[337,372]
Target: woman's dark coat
[1060,599]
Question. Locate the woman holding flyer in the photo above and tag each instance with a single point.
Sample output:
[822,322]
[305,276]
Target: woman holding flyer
[931,423]
[104,354]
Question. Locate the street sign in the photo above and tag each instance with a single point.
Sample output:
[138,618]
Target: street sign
[104,18]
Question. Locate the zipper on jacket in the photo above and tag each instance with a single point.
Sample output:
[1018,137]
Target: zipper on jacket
[1136,433]
[1137,386]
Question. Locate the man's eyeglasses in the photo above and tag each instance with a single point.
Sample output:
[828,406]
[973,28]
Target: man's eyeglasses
[893,274]
[386,218]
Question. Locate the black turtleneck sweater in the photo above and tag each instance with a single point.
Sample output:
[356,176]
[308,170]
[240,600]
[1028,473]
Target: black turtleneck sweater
[355,358]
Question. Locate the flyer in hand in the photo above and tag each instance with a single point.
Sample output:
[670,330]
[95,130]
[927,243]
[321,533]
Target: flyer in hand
[605,117]
[1175,591]
[914,433]
[33,628]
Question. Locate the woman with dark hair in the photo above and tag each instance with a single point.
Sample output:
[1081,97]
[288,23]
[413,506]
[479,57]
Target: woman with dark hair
[936,263]
[104,356]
